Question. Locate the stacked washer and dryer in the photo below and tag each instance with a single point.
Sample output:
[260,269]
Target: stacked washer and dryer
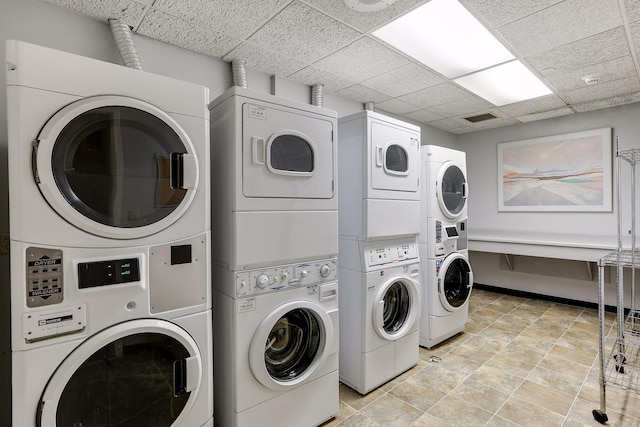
[274,280]
[110,236]
[379,262]
[446,274]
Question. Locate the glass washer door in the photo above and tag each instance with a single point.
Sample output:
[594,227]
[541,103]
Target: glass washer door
[290,344]
[141,373]
[455,280]
[452,190]
[395,308]
[115,166]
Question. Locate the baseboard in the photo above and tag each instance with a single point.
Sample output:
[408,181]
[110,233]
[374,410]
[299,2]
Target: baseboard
[559,300]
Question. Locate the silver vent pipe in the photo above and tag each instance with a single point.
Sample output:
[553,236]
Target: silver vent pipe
[316,94]
[369,106]
[239,72]
[122,35]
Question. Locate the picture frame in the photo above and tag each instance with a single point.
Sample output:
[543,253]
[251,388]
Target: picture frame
[562,173]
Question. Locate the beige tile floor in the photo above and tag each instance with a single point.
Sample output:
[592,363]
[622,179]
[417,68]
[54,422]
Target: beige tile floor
[520,362]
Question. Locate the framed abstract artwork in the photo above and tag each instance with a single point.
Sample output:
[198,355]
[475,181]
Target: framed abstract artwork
[570,172]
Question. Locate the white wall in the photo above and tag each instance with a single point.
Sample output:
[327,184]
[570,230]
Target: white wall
[568,279]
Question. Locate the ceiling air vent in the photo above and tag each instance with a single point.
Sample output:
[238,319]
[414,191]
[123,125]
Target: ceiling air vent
[480,118]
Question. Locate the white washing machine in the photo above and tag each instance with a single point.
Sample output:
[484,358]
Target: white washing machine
[123,345]
[102,155]
[380,306]
[447,281]
[110,237]
[277,160]
[276,351]
[379,177]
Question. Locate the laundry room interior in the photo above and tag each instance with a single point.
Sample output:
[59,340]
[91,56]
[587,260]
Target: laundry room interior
[329,186]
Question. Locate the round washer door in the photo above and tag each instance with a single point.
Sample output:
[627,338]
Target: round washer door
[136,374]
[452,190]
[115,167]
[290,344]
[396,307]
[455,280]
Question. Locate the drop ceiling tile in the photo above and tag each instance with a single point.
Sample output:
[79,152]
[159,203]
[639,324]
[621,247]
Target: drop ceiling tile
[450,125]
[402,80]
[361,20]
[546,115]
[167,28]
[615,69]
[424,116]
[395,106]
[583,53]
[602,90]
[361,60]
[361,93]
[606,103]
[561,24]
[435,95]
[498,13]
[302,32]
[311,75]
[634,28]
[632,8]
[128,11]
[237,18]
[264,60]
[494,123]
[535,105]
[466,105]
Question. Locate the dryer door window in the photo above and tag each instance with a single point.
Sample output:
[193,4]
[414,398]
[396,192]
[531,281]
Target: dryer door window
[394,158]
[455,282]
[452,190]
[141,379]
[291,154]
[109,163]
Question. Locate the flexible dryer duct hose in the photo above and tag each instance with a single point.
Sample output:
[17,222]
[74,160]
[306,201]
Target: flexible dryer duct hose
[122,35]
[239,73]
[316,94]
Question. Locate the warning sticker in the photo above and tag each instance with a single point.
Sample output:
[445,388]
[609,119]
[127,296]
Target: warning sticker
[244,305]
[256,112]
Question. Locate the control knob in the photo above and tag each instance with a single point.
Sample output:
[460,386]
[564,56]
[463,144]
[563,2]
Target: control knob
[262,280]
[325,270]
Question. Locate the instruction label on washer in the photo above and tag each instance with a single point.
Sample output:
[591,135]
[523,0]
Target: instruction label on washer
[256,112]
[51,323]
[247,304]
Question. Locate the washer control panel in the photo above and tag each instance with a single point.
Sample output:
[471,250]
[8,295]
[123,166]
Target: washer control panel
[380,255]
[44,285]
[273,279]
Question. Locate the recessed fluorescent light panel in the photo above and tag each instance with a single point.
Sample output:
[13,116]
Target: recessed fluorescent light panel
[444,36]
[504,84]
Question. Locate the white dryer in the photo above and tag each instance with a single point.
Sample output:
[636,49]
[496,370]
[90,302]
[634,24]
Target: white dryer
[109,243]
[380,306]
[276,352]
[125,346]
[379,177]
[277,160]
[102,155]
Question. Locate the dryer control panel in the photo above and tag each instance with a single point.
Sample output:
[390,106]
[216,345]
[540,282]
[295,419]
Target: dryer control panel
[282,277]
[380,255]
